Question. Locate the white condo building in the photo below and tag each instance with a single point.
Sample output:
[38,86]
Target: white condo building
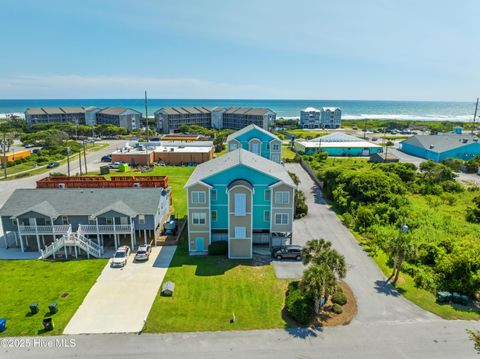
[326,117]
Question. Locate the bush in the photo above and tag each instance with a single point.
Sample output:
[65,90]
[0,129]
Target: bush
[219,248]
[337,309]
[339,298]
[301,208]
[298,306]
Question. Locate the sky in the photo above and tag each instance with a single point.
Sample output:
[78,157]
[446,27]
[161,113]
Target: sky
[248,49]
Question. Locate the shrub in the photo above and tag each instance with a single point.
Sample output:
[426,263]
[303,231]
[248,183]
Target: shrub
[348,220]
[301,208]
[219,248]
[339,298]
[298,306]
[337,309]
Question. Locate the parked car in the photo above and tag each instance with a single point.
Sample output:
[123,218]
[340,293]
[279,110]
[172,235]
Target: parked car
[170,226]
[28,145]
[107,158]
[160,163]
[114,165]
[36,150]
[53,164]
[120,257]
[287,252]
[143,253]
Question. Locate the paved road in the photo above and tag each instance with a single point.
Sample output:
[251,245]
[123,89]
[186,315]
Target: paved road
[93,163]
[439,340]
[377,301]
[121,298]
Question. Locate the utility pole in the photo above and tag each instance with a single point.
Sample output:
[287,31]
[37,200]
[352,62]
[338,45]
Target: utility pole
[68,160]
[80,160]
[365,130]
[475,116]
[146,115]
[4,145]
[385,142]
[85,156]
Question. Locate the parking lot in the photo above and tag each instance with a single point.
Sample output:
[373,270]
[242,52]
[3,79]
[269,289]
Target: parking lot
[121,299]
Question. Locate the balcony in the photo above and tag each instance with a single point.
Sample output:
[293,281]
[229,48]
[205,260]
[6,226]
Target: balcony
[42,230]
[105,229]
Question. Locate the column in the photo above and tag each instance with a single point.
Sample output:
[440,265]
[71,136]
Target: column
[115,234]
[36,235]
[132,240]
[98,231]
[76,252]
[145,236]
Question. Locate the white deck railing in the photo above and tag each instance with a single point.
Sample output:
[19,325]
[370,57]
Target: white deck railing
[105,229]
[48,229]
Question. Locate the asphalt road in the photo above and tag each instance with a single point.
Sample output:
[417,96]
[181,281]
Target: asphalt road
[93,163]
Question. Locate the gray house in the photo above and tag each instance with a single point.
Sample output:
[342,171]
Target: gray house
[82,221]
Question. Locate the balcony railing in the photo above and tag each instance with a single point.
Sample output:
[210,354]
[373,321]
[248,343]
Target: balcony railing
[105,229]
[48,229]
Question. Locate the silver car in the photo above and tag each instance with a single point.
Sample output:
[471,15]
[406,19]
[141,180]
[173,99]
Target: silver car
[120,257]
[143,253]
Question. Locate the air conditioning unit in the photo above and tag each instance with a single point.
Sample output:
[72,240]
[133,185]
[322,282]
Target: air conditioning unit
[136,185]
[61,185]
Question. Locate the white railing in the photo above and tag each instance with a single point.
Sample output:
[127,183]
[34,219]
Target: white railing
[73,239]
[105,229]
[48,229]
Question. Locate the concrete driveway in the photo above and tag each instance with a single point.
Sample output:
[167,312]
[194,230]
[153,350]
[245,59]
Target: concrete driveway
[121,298]
[377,301]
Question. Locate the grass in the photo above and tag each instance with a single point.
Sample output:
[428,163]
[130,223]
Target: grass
[26,281]
[423,298]
[287,153]
[300,133]
[177,177]
[209,289]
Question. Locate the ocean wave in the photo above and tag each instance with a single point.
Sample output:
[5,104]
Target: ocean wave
[429,117]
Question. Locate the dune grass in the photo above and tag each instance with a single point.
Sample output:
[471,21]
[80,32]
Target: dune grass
[26,281]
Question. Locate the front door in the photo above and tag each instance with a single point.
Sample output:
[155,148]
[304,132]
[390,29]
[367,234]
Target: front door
[199,244]
[255,148]
[31,222]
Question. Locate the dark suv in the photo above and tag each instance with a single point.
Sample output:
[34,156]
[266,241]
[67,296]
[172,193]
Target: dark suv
[287,252]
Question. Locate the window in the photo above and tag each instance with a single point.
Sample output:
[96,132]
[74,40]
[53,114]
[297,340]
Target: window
[266,216]
[141,218]
[275,147]
[240,232]
[14,222]
[266,195]
[198,197]
[282,197]
[281,218]
[199,218]
[232,146]
[91,221]
[214,216]
[64,219]
[214,194]
[109,221]
[240,204]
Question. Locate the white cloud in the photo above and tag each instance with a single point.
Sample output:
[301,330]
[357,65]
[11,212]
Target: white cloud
[80,86]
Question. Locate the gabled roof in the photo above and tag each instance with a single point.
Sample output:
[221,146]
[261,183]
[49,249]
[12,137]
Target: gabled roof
[118,206]
[115,110]
[253,111]
[310,109]
[249,128]
[441,143]
[54,110]
[239,157]
[337,137]
[183,110]
[56,202]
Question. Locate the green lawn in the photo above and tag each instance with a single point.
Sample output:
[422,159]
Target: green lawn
[26,281]
[287,153]
[208,289]
[177,177]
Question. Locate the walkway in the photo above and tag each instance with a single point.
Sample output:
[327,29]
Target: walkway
[377,301]
[121,299]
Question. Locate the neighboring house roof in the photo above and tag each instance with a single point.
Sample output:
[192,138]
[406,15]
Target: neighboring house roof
[353,144]
[115,110]
[44,208]
[118,206]
[250,128]
[337,137]
[54,110]
[253,111]
[184,110]
[239,157]
[83,201]
[310,109]
[441,143]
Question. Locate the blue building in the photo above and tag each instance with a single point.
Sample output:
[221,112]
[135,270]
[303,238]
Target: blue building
[257,140]
[440,147]
[337,144]
[241,198]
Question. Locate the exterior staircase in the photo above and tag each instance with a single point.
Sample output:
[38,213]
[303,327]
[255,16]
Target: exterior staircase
[73,239]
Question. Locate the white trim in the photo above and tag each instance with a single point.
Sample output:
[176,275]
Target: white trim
[279,183]
[199,216]
[200,182]
[188,219]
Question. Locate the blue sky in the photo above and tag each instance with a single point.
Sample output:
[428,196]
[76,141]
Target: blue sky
[302,49]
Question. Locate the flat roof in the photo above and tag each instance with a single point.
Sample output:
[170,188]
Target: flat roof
[362,144]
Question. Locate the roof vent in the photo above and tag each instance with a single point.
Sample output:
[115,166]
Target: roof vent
[465,140]
[432,147]
[61,185]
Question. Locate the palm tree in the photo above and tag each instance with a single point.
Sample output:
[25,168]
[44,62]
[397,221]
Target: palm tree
[401,249]
[320,251]
[475,337]
[317,280]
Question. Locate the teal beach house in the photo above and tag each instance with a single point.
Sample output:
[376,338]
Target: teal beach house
[257,140]
[242,198]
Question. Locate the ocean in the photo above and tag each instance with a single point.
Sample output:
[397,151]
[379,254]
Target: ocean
[351,109]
